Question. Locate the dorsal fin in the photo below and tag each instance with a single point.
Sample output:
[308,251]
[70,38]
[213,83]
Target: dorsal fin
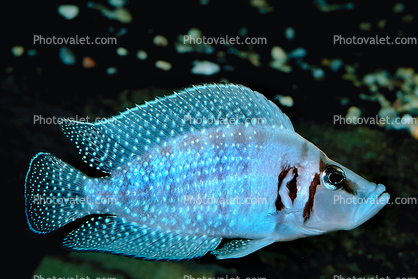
[108,144]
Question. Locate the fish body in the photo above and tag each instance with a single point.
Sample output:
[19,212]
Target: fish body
[186,171]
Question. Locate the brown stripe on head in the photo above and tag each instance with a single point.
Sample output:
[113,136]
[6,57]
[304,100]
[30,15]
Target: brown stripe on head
[310,203]
[278,204]
[292,185]
[322,163]
[350,187]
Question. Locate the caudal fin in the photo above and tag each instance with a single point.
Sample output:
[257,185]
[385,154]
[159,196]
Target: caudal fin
[54,193]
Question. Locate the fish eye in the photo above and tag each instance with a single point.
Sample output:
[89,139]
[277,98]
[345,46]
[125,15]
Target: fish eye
[333,177]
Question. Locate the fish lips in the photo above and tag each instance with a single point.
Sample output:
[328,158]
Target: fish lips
[371,205]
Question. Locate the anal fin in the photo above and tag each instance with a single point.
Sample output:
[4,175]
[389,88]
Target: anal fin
[114,235]
[240,248]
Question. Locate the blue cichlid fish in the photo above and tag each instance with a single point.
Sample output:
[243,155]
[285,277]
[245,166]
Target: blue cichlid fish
[210,162]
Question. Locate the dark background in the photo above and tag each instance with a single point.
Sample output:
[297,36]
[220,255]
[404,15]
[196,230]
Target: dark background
[43,85]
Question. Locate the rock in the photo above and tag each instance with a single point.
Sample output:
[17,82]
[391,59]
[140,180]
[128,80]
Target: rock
[414,132]
[353,114]
[120,14]
[298,53]
[279,59]
[286,101]
[18,51]
[88,62]
[398,8]
[68,11]
[277,53]
[335,64]
[160,41]
[205,68]
[117,3]
[67,56]
[111,71]
[289,33]
[141,54]
[163,65]
[194,33]
[122,51]
[32,52]
[317,73]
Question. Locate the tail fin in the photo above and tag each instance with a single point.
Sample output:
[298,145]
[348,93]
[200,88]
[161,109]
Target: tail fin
[53,193]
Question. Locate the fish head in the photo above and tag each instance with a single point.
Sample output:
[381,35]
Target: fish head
[343,200]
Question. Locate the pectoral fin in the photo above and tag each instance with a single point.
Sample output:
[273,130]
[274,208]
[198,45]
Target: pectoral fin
[241,248]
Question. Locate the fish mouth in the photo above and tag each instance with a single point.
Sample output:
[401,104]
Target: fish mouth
[384,195]
[374,202]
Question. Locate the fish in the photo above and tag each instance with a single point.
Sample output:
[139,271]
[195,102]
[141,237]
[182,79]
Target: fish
[181,173]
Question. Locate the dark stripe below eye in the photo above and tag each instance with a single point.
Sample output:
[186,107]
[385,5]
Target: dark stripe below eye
[310,203]
[278,204]
[350,187]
